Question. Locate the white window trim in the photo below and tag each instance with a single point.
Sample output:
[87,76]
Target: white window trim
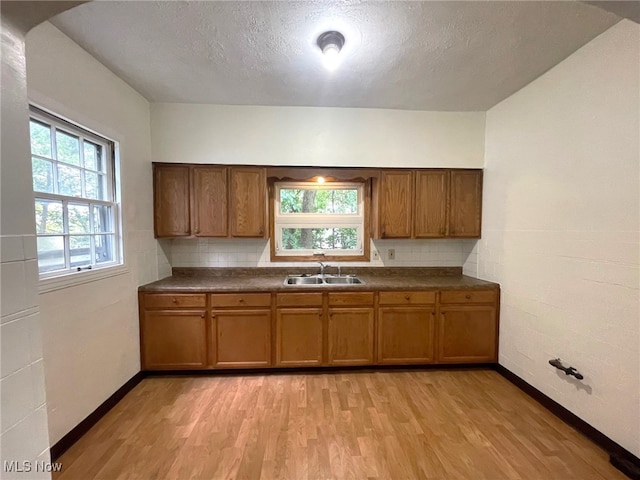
[320,220]
[57,280]
[71,279]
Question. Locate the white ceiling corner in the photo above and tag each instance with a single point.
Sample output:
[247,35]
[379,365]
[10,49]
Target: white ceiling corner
[414,55]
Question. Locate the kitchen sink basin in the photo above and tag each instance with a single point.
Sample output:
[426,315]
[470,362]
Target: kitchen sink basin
[295,280]
[322,280]
[343,280]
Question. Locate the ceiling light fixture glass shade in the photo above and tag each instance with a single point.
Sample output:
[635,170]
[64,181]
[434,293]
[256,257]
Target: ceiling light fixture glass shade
[331,43]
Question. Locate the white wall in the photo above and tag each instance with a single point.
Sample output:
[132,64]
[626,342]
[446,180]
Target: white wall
[213,252]
[91,330]
[561,230]
[187,133]
[23,435]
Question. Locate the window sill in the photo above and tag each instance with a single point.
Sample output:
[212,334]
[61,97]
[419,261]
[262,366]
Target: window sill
[72,279]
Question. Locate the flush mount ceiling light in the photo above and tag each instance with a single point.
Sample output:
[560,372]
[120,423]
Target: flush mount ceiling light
[331,43]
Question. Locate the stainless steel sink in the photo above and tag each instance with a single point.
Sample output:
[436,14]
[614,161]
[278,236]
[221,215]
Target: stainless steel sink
[322,280]
[295,280]
[343,280]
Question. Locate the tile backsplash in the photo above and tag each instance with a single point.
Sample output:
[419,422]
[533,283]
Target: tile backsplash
[214,252]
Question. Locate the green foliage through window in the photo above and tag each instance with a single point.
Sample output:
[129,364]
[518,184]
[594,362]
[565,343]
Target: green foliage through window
[312,218]
[74,205]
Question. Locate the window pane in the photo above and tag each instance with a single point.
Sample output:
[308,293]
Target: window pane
[94,185]
[68,148]
[104,248]
[91,155]
[330,201]
[78,218]
[102,219]
[50,253]
[91,185]
[40,139]
[319,238]
[42,175]
[80,250]
[49,216]
[69,181]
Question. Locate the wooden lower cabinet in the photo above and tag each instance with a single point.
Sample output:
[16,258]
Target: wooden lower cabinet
[299,337]
[174,339]
[406,334]
[242,338]
[467,334]
[351,336]
[181,331]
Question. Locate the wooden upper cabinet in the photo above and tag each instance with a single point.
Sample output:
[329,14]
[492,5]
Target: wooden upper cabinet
[248,192]
[210,202]
[171,202]
[466,203]
[431,194]
[395,208]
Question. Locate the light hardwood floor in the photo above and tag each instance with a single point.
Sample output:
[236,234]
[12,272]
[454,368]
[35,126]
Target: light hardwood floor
[448,424]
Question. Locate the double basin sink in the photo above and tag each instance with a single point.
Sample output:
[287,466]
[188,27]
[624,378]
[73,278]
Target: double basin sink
[322,280]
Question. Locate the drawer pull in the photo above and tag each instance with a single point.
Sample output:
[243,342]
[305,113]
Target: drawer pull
[407,297]
[174,300]
[468,296]
[241,300]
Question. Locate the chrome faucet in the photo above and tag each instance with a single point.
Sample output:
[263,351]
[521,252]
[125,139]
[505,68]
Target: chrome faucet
[322,267]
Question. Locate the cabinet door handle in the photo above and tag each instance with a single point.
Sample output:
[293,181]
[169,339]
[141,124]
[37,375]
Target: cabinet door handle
[261,232]
[203,315]
[197,231]
[213,316]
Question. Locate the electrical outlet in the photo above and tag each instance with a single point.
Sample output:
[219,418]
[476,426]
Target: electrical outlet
[391,254]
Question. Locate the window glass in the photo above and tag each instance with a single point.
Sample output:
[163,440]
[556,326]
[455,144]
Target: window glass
[319,219]
[75,204]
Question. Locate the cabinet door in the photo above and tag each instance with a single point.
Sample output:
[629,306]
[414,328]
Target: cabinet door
[299,336]
[405,335]
[351,336]
[210,201]
[431,192]
[465,213]
[396,198]
[171,200]
[248,202]
[241,338]
[174,339]
[467,334]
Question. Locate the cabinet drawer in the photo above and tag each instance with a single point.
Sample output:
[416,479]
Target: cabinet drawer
[406,298]
[468,296]
[178,300]
[350,298]
[298,299]
[241,300]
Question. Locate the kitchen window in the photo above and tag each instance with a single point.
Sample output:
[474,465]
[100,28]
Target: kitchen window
[77,213]
[314,221]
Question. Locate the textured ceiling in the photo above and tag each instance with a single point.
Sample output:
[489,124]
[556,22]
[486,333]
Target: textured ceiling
[448,56]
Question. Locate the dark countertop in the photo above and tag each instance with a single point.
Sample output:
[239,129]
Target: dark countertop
[197,280]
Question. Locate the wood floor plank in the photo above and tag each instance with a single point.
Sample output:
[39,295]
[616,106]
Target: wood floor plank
[448,424]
